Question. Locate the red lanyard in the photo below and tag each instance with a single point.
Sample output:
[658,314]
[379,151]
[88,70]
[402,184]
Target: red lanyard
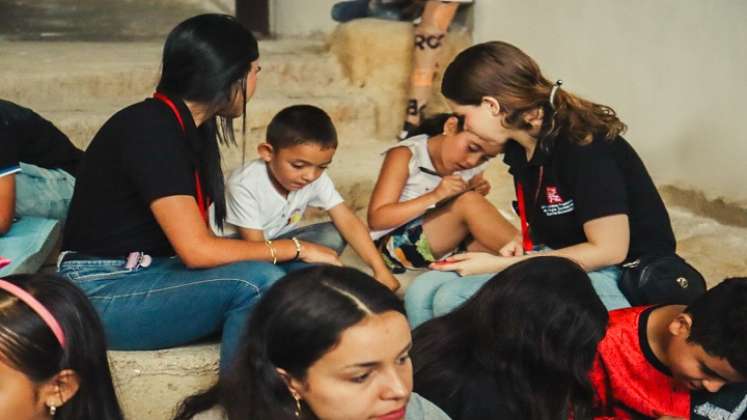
[526,238]
[201,201]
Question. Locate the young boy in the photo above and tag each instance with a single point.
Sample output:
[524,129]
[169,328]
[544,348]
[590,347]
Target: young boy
[676,362]
[266,199]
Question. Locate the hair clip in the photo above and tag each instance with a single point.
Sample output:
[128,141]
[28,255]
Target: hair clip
[554,90]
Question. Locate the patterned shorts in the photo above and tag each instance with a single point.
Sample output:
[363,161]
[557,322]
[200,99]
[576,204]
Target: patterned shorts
[406,248]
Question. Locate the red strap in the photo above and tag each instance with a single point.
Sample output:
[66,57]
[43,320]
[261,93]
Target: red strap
[201,201]
[526,240]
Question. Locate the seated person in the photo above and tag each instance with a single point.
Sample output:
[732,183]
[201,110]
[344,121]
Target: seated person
[37,176]
[266,199]
[520,348]
[676,361]
[429,200]
[52,353]
[325,343]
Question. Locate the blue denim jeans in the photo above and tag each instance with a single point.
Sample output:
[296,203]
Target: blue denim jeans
[167,305]
[436,293]
[324,233]
[42,200]
[43,192]
[28,244]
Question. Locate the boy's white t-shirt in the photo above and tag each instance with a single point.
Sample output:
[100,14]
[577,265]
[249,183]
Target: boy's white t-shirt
[420,182]
[252,202]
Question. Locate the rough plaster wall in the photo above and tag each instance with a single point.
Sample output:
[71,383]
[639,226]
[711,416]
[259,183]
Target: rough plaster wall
[376,55]
[673,69]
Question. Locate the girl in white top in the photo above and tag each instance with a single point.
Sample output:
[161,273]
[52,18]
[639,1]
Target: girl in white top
[429,200]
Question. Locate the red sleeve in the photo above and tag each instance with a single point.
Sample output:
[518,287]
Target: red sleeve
[603,404]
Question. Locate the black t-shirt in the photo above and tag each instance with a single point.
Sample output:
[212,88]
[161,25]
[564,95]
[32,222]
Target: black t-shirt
[27,137]
[139,155]
[579,183]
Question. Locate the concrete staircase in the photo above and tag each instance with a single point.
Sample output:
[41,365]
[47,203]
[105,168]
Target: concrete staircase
[357,75]
[79,85]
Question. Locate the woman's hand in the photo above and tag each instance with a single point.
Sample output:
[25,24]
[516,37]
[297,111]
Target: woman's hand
[514,248]
[318,254]
[450,186]
[479,184]
[470,263]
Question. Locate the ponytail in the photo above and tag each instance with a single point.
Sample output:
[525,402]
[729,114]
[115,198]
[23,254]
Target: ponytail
[504,72]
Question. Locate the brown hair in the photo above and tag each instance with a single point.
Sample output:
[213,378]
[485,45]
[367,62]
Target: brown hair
[504,72]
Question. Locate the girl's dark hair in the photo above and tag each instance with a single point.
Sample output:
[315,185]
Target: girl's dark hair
[502,71]
[533,329]
[28,345]
[206,59]
[434,125]
[300,319]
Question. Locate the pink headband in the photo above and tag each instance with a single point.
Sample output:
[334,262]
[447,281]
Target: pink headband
[37,307]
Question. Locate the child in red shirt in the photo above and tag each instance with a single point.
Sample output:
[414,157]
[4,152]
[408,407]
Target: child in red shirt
[674,361]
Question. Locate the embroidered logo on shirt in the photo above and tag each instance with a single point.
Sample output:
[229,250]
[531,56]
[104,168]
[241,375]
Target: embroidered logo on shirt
[552,195]
[558,209]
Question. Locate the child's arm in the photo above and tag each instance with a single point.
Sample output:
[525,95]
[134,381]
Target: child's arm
[285,249]
[386,211]
[7,202]
[357,235]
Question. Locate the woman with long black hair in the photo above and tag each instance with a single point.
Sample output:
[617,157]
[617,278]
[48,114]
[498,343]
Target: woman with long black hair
[137,240]
[324,343]
[521,348]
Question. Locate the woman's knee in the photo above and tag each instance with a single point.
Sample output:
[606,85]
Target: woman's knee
[425,286]
[257,275]
[452,294]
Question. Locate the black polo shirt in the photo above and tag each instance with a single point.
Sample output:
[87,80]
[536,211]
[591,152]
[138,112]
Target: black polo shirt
[580,183]
[27,137]
[139,155]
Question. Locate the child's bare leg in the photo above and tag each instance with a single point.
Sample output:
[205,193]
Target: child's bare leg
[470,213]
[429,37]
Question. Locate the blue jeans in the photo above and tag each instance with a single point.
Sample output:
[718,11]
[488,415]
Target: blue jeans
[168,305]
[42,200]
[43,192]
[324,233]
[436,293]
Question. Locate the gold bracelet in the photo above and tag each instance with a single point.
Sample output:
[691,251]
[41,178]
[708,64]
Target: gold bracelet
[298,247]
[273,252]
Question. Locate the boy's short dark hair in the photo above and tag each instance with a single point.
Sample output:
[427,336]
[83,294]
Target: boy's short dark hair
[719,322]
[300,124]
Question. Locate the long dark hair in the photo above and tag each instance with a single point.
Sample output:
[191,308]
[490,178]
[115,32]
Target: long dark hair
[533,328]
[206,59]
[502,71]
[30,347]
[299,320]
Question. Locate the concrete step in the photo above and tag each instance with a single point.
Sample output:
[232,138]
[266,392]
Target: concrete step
[73,75]
[150,384]
[352,115]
